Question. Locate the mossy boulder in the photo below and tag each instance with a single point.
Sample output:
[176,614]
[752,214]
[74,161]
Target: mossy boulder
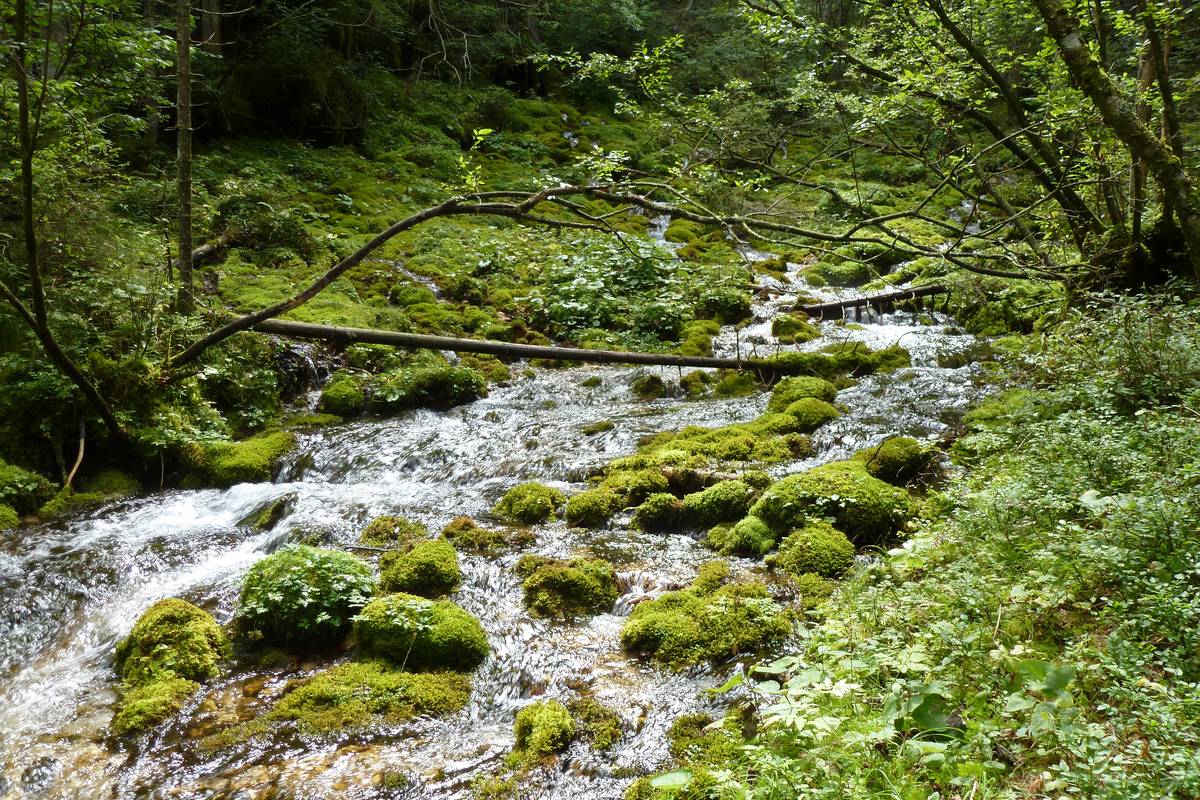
[811,413]
[8,517]
[421,634]
[529,503]
[142,707]
[468,535]
[592,508]
[735,383]
[660,513]
[542,729]
[694,738]
[360,694]
[429,569]
[724,501]
[794,329]
[748,537]
[303,595]
[436,386]
[817,548]
[599,723]
[112,483]
[860,358]
[599,426]
[390,531]
[634,485]
[22,490]
[344,394]
[251,460]
[648,387]
[567,588]
[866,508]
[709,620]
[789,390]
[896,460]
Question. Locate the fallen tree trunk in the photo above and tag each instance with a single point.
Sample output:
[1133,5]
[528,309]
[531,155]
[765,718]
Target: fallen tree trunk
[209,249]
[835,309]
[418,341]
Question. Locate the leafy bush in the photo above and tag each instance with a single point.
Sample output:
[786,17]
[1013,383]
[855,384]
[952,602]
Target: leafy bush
[23,490]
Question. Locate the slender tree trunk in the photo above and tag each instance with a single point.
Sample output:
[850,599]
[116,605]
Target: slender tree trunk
[1160,161]
[186,298]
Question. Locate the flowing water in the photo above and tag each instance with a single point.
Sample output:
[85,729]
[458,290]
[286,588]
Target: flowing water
[69,591]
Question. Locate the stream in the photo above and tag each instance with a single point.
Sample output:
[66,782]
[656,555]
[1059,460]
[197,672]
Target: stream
[70,590]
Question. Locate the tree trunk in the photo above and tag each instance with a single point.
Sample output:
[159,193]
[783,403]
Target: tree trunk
[186,298]
[1158,157]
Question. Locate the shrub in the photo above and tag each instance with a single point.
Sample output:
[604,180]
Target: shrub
[23,490]
[542,729]
[811,413]
[388,531]
[303,595]
[592,508]
[8,517]
[789,390]
[818,548]
[429,569]
[722,502]
[557,588]
[529,503]
[749,537]
[896,460]
[660,513]
[415,633]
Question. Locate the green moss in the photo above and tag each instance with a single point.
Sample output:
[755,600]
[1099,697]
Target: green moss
[633,486]
[490,367]
[748,537]
[591,382]
[429,569]
[725,305]
[421,634]
[811,413]
[789,390]
[600,426]
[251,460]
[725,501]
[648,387]
[8,517]
[172,639]
[441,387]
[695,384]
[860,358]
[529,503]
[23,490]
[269,514]
[344,395]
[566,589]
[812,589]
[707,621]
[660,513]
[896,460]
[303,595]
[736,384]
[599,723]
[592,508]
[695,338]
[866,508]
[770,438]
[389,531]
[465,534]
[112,483]
[818,548]
[144,706]
[542,729]
[309,422]
[699,739]
[360,694]
[794,329]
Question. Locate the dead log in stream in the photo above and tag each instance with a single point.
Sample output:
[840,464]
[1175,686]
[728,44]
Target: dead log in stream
[878,302]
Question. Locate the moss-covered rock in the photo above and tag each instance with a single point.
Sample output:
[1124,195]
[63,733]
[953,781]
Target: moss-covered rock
[724,501]
[811,413]
[599,723]
[794,329]
[599,426]
[23,490]
[251,460]
[748,537]
[529,503]
[896,460]
[789,390]
[344,394]
[359,694]
[660,513]
[648,387]
[468,535]
[303,595]
[390,531]
[592,508]
[429,569]
[417,633]
[8,517]
[435,386]
[542,729]
[860,358]
[863,506]
[818,548]
[699,739]
[270,513]
[144,706]
[710,619]
[634,485]
[567,588]
[735,383]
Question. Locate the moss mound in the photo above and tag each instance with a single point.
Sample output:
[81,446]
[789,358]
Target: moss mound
[344,394]
[794,329]
[466,534]
[749,537]
[437,386]
[634,485]
[789,390]
[896,460]
[529,503]
[863,506]
[543,729]
[143,707]
[722,502]
[660,513]
[710,619]
[8,517]
[251,460]
[592,508]
[599,723]
[817,548]
[768,439]
[363,693]
[648,387]
[417,633]
[388,531]
[303,595]
[567,588]
[811,413]
[429,569]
